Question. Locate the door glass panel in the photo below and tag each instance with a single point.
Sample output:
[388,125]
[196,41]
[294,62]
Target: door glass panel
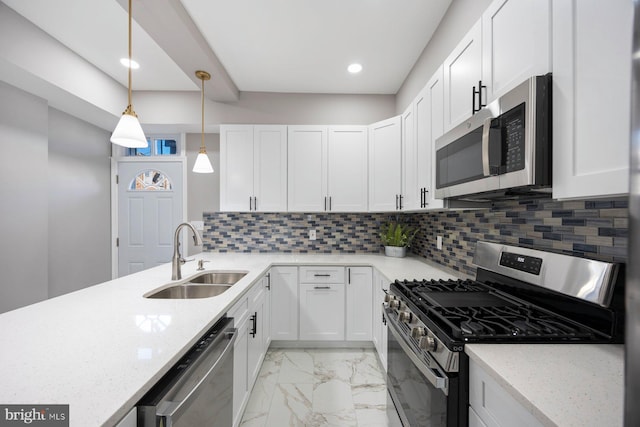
[150,180]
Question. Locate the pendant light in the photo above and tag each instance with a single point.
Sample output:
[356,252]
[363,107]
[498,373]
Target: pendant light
[128,132]
[202,164]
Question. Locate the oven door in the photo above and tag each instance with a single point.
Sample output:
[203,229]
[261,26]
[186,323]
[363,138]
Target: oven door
[422,396]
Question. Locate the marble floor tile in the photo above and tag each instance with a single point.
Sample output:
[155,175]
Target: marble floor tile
[319,388]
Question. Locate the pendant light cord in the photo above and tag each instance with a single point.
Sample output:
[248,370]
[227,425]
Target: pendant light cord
[202,145]
[129,107]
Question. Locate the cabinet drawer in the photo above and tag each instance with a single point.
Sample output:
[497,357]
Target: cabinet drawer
[321,274]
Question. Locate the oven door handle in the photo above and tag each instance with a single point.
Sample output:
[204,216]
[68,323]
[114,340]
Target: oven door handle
[436,380]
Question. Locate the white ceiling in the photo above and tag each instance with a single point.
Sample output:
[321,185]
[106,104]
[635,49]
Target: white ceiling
[300,46]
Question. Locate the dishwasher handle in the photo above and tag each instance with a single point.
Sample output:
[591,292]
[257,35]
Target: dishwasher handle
[169,411]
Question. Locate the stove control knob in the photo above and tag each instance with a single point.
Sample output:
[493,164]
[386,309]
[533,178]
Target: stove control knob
[394,303]
[405,316]
[389,298]
[418,332]
[428,343]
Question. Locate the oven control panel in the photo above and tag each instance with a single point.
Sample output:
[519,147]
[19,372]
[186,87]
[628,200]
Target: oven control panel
[525,263]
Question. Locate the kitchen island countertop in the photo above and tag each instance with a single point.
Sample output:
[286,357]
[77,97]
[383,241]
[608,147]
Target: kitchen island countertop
[101,348]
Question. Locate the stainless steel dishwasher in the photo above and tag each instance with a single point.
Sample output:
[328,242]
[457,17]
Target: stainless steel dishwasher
[198,390]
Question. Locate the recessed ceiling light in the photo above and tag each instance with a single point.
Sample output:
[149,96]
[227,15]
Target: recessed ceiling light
[125,62]
[354,68]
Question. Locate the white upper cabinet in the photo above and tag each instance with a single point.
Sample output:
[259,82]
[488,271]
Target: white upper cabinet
[307,168]
[385,165]
[253,168]
[463,72]
[428,110]
[327,168]
[409,192]
[516,40]
[591,97]
[347,169]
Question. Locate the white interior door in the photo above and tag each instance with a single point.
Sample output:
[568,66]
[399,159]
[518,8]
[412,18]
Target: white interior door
[149,210]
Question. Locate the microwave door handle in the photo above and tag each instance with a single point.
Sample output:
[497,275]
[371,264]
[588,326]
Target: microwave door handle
[486,127]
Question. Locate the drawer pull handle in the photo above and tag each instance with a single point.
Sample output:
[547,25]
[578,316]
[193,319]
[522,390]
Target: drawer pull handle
[322,287]
[322,275]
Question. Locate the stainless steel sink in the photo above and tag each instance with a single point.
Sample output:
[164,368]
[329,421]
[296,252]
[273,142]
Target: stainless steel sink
[218,277]
[204,285]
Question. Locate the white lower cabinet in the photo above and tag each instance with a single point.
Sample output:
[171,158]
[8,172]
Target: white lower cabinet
[251,344]
[490,405]
[322,311]
[359,294]
[379,338]
[284,303]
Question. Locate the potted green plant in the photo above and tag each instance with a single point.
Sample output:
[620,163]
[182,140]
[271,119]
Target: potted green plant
[396,238]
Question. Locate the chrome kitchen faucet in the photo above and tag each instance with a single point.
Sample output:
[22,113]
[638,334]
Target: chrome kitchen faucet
[177,260]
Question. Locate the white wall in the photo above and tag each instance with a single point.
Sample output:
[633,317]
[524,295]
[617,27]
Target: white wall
[23,198]
[203,189]
[458,20]
[79,204]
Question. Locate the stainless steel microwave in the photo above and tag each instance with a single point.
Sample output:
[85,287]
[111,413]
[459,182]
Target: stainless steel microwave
[502,151]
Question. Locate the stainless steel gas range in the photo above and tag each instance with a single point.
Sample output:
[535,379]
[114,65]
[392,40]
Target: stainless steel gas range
[519,296]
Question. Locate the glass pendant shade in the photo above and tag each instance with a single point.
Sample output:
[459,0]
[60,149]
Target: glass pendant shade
[128,133]
[202,164]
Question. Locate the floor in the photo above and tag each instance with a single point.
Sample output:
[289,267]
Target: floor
[319,387]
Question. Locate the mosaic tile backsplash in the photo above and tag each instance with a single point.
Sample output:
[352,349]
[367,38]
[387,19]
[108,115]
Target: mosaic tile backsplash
[595,229]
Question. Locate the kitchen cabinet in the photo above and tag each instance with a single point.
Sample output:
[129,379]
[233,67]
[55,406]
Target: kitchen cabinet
[591,98]
[327,168]
[428,109]
[250,316]
[385,165]
[253,164]
[359,295]
[380,285]
[284,303]
[462,74]
[322,303]
[491,405]
[516,43]
[347,169]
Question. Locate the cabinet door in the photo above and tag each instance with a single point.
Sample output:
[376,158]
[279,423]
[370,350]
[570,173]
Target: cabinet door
[307,166]
[256,349]
[240,372]
[462,71]
[516,38]
[236,167]
[376,312]
[270,172]
[410,192]
[322,312]
[284,303]
[591,97]
[429,123]
[385,164]
[347,168]
[359,303]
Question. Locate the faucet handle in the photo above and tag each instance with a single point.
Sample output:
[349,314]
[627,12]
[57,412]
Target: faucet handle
[182,260]
[201,264]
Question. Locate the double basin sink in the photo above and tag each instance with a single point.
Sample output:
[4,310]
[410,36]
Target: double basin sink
[204,285]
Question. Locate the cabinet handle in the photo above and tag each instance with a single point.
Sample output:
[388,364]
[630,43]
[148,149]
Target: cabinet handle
[269,281]
[255,203]
[479,93]
[384,319]
[401,196]
[425,197]
[249,203]
[325,203]
[321,275]
[322,287]
[329,203]
[254,329]
[396,202]
[349,276]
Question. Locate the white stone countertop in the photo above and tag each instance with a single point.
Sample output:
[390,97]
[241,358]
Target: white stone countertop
[560,384]
[101,348]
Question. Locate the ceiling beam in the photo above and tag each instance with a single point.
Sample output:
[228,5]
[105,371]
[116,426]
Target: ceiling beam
[169,24]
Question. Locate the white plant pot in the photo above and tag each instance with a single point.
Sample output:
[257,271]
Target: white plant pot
[395,251]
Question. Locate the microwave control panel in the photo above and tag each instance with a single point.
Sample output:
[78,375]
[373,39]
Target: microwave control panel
[513,137]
